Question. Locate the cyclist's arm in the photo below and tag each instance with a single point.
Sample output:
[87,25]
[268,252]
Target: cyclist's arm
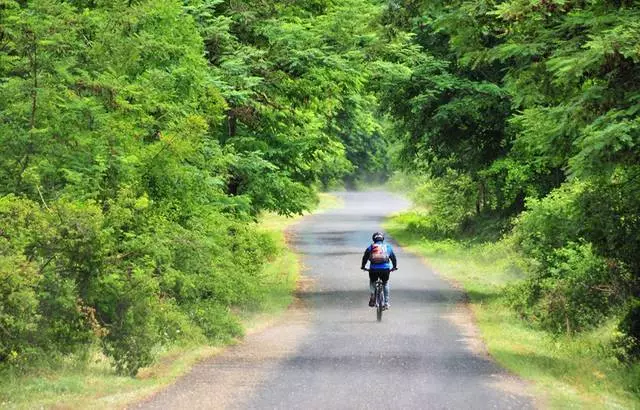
[365,258]
[392,256]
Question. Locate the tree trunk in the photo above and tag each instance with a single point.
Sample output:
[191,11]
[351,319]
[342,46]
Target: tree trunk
[34,92]
[480,198]
[231,123]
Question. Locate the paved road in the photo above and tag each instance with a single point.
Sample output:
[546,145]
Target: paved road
[329,352]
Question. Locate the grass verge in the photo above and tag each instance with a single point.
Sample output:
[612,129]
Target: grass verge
[568,372]
[79,384]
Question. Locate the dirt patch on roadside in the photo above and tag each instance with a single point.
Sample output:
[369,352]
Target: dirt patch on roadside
[462,317]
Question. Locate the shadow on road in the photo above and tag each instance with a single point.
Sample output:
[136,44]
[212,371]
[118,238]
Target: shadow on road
[332,298]
[336,254]
[398,361]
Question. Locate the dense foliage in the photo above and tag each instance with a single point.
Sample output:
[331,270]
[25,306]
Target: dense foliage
[139,140]
[512,106]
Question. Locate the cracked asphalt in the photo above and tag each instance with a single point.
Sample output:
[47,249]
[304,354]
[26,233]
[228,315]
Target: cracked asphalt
[328,351]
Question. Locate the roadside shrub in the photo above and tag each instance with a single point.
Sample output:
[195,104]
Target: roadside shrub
[19,316]
[71,254]
[216,321]
[129,308]
[628,344]
[572,287]
[449,202]
[66,326]
[175,326]
[47,256]
[19,280]
[550,223]
[574,290]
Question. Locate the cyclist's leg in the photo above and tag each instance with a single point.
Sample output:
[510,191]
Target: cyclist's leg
[384,275]
[386,293]
[373,276]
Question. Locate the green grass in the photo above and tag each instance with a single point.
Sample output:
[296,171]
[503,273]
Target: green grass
[568,372]
[77,384]
[69,384]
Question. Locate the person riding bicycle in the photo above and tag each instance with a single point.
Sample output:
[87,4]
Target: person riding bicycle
[382,261]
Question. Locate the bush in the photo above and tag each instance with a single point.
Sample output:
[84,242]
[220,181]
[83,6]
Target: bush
[574,290]
[449,202]
[628,343]
[572,286]
[216,321]
[19,316]
[550,223]
[128,305]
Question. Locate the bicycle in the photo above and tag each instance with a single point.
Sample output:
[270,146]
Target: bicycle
[378,295]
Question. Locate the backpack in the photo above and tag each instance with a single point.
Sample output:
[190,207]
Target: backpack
[379,253]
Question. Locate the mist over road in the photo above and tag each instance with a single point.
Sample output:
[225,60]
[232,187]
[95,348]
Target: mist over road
[329,351]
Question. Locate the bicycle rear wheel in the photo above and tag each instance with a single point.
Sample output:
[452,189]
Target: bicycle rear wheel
[379,303]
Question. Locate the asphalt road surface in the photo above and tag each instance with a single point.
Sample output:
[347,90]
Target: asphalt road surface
[329,352]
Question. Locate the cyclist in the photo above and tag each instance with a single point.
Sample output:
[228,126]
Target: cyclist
[382,261]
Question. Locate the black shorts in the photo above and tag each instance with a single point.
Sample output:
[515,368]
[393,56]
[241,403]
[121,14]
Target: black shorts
[383,274]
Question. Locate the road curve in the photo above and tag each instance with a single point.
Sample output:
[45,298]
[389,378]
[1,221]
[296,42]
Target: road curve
[329,352]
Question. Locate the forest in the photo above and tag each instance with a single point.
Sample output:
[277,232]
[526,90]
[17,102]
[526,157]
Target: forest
[141,139]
